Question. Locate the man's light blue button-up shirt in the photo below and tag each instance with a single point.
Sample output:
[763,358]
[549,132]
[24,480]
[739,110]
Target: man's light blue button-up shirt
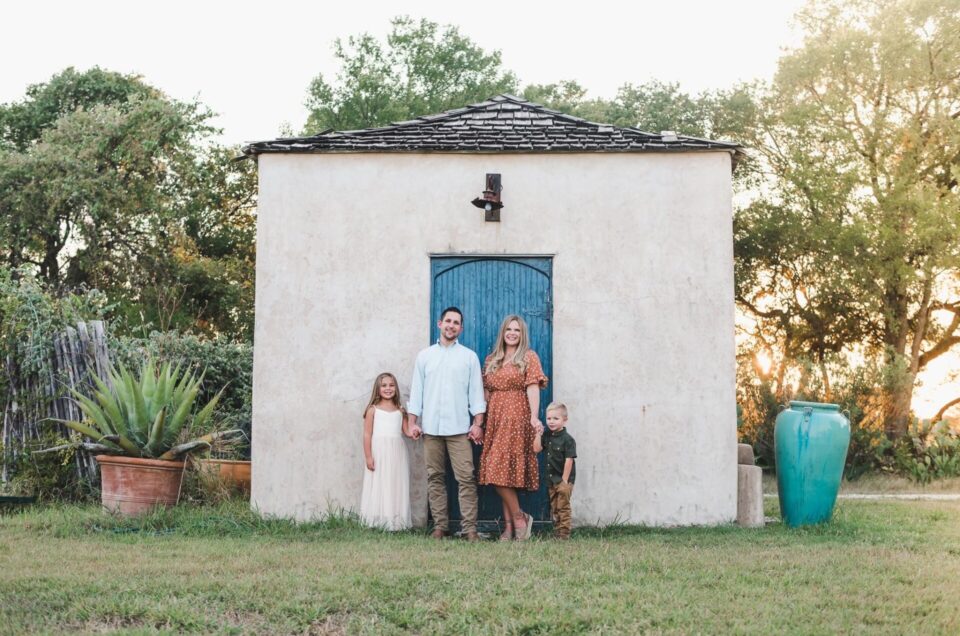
[447,389]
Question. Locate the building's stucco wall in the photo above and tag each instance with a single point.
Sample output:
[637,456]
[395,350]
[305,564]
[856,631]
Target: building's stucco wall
[643,316]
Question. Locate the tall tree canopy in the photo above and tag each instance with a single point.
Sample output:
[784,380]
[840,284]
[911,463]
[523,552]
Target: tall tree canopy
[423,69]
[857,243]
[106,182]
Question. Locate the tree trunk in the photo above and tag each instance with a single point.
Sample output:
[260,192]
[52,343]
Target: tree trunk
[50,268]
[900,401]
[827,391]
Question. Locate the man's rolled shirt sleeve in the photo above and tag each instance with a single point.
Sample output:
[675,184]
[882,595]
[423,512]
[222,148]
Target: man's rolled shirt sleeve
[477,404]
[415,404]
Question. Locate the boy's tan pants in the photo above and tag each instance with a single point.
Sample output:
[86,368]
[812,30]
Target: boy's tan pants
[435,451]
[560,508]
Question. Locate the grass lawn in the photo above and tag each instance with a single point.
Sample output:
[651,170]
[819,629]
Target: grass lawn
[883,484]
[880,567]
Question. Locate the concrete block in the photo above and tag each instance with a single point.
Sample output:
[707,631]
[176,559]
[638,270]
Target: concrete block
[749,496]
[745,455]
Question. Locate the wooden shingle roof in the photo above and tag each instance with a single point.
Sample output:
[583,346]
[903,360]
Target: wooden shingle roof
[504,123]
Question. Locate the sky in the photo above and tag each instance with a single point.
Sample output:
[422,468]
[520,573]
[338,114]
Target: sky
[251,62]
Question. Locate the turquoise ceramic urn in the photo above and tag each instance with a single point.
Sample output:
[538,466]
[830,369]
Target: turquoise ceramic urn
[811,441]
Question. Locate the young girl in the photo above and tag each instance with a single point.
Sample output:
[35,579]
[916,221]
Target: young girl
[385,501]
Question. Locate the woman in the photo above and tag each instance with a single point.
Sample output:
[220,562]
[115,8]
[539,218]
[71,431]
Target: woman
[512,380]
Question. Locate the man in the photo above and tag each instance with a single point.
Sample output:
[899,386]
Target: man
[446,392]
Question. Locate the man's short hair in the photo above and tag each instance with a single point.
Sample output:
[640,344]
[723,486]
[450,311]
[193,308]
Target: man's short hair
[453,309]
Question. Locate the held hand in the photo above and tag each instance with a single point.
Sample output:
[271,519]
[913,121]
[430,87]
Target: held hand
[476,435]
[536,424]
[370,464]
[415,432]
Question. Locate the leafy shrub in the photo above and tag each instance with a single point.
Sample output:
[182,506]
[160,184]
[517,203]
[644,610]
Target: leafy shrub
[928,452]
[146,415]
[225,364]
[855,388]
[50,476]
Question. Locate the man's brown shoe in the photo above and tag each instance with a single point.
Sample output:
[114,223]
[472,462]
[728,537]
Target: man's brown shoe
[438,533]
[472,535]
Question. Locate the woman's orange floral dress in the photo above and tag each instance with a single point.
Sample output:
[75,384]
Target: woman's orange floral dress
[508,458]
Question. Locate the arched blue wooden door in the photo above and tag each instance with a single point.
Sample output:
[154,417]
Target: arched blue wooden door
[487,289]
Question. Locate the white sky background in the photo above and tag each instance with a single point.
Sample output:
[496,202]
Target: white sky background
[251,62]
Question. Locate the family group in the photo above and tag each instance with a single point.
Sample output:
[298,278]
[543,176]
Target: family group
[453,404]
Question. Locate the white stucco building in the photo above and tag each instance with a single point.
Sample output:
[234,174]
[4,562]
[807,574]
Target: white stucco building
[615,244]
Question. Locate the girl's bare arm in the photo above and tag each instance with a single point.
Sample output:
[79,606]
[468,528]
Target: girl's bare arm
[368,437]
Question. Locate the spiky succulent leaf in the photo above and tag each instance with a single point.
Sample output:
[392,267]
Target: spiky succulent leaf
[140,409]
[94,413]
[200,442]
[144,414]
[201,419]
[156,433]
[148,381]
[83,429]
[112,409]
[180,415]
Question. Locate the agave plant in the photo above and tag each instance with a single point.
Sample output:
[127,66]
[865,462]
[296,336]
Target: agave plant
[144,416]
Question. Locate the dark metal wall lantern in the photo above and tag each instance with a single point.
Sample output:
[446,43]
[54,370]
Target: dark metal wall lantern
[490,201]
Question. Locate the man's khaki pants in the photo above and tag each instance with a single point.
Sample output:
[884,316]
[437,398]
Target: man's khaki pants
[435,450]
[560,508]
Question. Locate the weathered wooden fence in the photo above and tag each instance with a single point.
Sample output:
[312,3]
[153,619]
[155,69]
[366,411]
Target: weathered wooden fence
[36,396]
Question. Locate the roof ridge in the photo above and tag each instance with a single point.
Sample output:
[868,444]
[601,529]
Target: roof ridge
[502,123]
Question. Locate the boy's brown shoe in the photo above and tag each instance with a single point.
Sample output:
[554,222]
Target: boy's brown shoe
[438,533]
[472,535]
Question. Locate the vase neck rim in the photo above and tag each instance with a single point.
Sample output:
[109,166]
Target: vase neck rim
[823,406]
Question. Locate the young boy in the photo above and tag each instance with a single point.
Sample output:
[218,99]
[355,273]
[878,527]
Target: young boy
[561,471]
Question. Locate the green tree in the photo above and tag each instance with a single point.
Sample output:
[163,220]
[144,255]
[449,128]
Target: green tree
[422,69]
[107,183]
[856,242]
[656,106]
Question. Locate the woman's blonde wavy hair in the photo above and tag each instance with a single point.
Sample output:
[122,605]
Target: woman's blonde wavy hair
[497,357]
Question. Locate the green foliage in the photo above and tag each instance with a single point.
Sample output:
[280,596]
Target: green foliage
[928,452]
[858,389]
[656,106]
[49,476]
[23,124]
[144,416]
[227,368]
[106,182]
[856,241]
[30,318]
[423,69]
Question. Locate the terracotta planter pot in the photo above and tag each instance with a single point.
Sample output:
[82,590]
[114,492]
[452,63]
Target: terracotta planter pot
[132,485]
[233,473]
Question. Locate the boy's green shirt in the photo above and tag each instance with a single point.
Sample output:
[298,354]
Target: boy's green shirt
[559,447]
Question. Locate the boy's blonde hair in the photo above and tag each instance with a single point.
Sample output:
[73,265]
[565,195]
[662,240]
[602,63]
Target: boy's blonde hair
[557,406]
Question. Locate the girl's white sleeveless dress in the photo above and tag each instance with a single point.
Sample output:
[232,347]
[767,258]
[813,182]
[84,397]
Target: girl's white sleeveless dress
[385,501]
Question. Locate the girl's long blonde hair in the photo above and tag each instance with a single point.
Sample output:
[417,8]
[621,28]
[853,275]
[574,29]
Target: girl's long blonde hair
[375,394]
[497,357]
